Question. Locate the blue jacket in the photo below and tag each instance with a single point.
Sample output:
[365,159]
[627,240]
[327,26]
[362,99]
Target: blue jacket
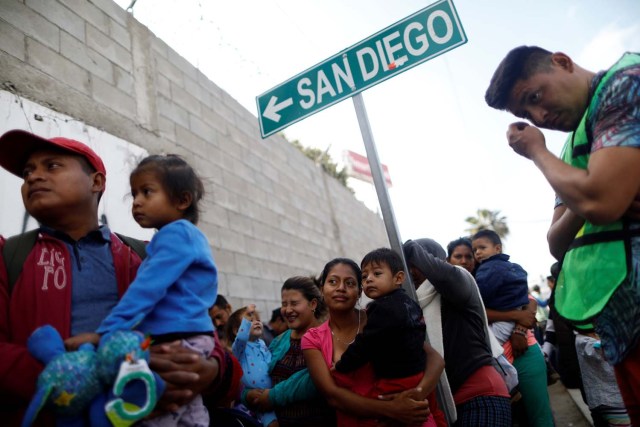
[254,357]
[175,286]
[503,284]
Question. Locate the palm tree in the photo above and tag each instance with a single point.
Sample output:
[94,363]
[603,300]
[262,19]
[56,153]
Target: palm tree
[488,219]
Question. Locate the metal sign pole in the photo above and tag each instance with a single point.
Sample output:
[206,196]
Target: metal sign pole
[387,213]
[381,188]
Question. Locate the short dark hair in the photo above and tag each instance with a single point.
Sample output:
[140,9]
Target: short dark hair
[221,302]
[276,315]
[84,163]
[86,167]
[177,178]
[488,234]
[384,256]
[235,319]
[309,289]
[461,241]
[519,64]
[346,261]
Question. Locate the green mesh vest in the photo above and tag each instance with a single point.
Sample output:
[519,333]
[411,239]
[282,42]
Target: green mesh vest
[599,258]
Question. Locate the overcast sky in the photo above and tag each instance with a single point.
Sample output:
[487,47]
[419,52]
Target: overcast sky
[446,150]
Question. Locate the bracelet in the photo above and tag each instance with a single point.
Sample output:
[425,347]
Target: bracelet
[520,330]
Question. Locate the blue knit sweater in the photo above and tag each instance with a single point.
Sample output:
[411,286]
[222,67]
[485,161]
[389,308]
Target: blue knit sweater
[175,286]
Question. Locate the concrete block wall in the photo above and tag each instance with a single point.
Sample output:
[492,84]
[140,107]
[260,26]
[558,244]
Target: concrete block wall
[270,213]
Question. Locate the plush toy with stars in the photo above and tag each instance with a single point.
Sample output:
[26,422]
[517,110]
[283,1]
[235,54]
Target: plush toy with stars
[69,381]
[113,385]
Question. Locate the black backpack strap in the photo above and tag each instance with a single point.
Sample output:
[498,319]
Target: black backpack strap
[138,246]
[15,252]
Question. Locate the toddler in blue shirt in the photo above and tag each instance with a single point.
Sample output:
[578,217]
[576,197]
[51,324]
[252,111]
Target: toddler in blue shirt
[252,353]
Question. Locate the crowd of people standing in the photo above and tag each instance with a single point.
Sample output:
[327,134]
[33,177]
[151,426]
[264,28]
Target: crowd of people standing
[448,358]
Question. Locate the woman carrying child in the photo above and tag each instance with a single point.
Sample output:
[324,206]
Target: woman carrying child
[449,295]
[341,282]
[503,286]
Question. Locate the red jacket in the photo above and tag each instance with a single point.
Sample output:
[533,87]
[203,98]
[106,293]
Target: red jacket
[41,295]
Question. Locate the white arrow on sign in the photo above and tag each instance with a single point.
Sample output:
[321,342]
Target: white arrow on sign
[271,112]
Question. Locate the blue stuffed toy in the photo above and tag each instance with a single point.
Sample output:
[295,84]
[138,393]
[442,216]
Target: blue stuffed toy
[114,384]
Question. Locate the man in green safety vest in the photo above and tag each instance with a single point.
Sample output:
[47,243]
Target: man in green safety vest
[594,231]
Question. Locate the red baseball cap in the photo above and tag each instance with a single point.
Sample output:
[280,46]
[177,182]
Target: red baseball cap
[17,145]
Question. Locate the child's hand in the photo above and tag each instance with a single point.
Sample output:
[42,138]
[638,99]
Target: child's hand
[526,318]
[253,395]
[258,399]
[250,313]
[73,343]
[262,402]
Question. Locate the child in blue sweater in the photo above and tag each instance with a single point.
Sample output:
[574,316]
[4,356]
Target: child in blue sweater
[177,282]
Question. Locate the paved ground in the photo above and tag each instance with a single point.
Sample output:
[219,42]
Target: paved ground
[568,408]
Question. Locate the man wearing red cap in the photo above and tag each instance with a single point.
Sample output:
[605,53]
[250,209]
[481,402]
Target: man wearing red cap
[75,273]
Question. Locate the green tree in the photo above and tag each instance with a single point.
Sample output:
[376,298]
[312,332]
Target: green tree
[324,160]
[486,219]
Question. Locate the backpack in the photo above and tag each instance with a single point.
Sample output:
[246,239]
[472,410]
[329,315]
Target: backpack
[17,248]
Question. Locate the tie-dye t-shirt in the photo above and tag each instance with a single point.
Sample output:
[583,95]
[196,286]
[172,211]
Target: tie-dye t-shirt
[615,122]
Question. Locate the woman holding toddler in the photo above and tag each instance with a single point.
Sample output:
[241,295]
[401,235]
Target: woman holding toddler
[341,285]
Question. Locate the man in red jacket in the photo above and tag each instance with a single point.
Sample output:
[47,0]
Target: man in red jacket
[74,274]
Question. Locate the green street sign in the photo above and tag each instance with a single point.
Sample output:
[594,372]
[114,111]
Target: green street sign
[426,34]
